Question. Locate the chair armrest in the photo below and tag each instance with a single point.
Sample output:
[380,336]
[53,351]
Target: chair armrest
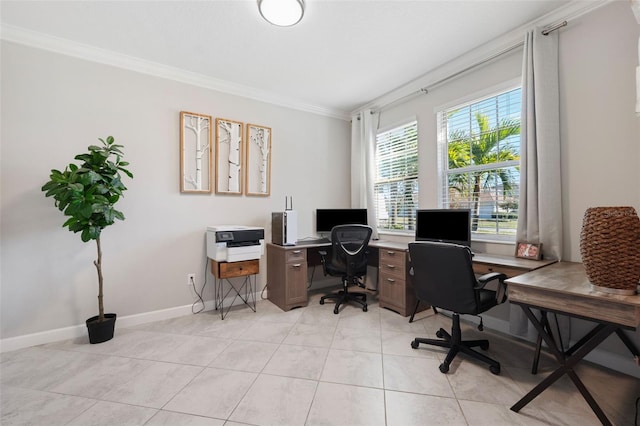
[501,291]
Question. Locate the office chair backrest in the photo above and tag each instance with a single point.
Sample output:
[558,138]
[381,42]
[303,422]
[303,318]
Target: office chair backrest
[349,248]
[443,276]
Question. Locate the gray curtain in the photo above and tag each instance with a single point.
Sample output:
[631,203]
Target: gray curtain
[364,127]
[363,168]
[635,7]
[540,206]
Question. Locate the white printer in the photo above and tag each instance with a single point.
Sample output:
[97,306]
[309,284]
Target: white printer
[233,243]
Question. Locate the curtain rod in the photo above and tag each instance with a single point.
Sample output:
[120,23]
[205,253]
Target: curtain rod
[426,89]
[552,28]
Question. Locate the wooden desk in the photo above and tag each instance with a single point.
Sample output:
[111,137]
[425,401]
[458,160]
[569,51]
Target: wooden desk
[287,272]
[565,289]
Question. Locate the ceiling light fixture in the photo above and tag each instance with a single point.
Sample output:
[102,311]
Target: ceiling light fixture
[283,13]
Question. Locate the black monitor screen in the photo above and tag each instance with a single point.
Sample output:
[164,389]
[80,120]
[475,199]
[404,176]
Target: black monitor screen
[326,219]
[445,225]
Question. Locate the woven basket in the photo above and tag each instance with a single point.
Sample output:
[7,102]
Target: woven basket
[610,248]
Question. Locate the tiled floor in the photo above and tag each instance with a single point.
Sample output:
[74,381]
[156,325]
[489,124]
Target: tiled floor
[303,367]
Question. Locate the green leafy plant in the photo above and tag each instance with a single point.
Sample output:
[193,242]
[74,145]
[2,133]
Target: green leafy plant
[88,193]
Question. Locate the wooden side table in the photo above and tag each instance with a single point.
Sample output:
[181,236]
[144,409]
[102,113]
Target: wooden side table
[246,291]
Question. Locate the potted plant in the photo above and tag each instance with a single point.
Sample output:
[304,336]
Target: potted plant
[87,194]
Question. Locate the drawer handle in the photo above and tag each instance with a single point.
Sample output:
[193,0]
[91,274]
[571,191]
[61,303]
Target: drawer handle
[296,265]
[391,266]
[391,253]
[391,280]
[297,251]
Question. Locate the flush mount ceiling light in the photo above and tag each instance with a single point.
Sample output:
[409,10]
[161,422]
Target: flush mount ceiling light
[283,13]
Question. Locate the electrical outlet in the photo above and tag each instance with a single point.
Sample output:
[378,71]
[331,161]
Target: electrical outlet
[191,279]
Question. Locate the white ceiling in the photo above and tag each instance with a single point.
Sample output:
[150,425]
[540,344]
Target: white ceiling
[342,55]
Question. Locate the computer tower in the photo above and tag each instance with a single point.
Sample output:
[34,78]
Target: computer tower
[284,227]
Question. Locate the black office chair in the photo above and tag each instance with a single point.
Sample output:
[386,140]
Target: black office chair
[443,277]
[349,249]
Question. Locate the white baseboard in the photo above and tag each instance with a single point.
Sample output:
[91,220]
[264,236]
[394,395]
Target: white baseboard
[73,332]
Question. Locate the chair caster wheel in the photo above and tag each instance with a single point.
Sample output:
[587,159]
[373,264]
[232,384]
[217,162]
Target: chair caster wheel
[439,334]
[494,370]
[444,368]
[321,301]
[484,346]
[414,344]
[335,310]
[364,309]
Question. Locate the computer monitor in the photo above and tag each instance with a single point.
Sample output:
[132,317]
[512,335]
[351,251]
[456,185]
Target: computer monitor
[326,219]
[444,225]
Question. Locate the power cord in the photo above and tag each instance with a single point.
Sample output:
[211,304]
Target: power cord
[313,271]
[200,300]
[636,416]
[262,292]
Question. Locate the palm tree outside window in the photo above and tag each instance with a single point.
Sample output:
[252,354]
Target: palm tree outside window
[480,162]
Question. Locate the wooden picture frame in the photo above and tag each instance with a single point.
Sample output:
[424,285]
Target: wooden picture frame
[258,164]
[195,152]
[526,250]
[229,156]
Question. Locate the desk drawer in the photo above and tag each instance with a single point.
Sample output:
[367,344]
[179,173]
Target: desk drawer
[486,268]
[296,255]
[394,257]
[235,269]
[388,269]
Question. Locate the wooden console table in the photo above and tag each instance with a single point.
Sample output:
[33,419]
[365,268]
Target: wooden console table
[223,271]
[565,289]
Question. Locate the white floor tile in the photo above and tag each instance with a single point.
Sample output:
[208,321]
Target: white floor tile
[274,400]
[353,368]
[168,418]
[155,386]
[213,393]
[105,413]
[336,404]
[416,375]
[297,361]
[302,367]
[32,407]
[408,409]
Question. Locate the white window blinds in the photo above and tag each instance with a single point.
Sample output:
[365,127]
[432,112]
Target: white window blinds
[396,185]
[480,164]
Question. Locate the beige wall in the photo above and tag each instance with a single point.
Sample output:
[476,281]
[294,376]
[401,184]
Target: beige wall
[600,134]
[53,107]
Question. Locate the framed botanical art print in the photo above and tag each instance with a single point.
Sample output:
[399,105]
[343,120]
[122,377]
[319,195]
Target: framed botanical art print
[229,156]
[258,165]
[195,152]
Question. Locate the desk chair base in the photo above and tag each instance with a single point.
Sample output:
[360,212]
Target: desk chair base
[343,296]
[455,344]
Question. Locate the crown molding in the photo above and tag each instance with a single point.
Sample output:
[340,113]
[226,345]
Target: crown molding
[94,54]
[505,42]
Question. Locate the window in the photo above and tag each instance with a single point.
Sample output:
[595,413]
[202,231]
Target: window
[396,182]
[480,162]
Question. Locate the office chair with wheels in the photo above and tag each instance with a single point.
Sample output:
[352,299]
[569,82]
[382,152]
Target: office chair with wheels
[443,277]
[349,249]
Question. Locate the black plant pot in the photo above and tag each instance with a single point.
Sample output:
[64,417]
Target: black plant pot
[101,331]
